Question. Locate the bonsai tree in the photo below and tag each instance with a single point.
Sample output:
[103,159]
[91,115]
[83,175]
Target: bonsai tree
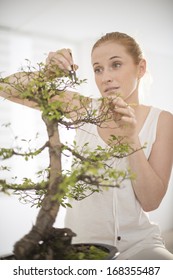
[84,178]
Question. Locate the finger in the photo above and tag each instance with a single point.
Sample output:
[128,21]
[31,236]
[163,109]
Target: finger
[128,120]
[61,58]
[64,58]
[119,102]
[128,111]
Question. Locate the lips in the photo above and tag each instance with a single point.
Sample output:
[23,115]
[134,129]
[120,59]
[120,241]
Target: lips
[111,90]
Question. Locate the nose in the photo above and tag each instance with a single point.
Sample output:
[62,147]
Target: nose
[107,77]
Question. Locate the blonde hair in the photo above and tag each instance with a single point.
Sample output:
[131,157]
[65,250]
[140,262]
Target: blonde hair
[127,41]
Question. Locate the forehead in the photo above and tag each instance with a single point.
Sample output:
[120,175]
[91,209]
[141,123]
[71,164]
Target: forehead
[107,50]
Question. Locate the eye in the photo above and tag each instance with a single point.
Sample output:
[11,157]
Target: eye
[98,70]
[116,64]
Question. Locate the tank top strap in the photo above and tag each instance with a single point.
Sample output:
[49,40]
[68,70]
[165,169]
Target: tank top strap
[148,132]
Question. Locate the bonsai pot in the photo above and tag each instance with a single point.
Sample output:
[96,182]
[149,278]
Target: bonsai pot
[57,246]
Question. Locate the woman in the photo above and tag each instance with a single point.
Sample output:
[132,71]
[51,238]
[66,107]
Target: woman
[117,216]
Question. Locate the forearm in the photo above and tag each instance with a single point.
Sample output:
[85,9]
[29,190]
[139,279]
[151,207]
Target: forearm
[148,187]
[12,86]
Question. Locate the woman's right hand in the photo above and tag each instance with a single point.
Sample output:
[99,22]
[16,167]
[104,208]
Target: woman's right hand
[61,59]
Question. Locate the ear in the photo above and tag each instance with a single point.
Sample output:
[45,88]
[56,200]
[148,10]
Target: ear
[141,68]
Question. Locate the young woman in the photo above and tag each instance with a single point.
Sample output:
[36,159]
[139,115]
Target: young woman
[118,216]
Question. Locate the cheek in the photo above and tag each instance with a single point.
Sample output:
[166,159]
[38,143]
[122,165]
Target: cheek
[130,79]
[133,85]
[129,84]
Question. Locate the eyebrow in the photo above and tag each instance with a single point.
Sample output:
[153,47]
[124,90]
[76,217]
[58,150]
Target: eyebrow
[112,57]
[116,56]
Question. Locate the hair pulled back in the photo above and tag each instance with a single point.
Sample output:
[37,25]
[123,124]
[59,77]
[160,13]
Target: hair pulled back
[131,46]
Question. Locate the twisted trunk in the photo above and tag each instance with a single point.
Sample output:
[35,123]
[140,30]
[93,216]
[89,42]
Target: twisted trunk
[49,209]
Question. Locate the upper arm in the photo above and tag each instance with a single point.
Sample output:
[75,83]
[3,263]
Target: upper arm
[161,157]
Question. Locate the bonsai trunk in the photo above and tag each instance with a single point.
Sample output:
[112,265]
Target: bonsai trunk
[50,207]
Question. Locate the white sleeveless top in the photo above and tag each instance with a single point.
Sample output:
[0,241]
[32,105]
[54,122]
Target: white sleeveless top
[115,216]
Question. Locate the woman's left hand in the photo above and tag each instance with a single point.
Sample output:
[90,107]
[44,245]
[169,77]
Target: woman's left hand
[124,117]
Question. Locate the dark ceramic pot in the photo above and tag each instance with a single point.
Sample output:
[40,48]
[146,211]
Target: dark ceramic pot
[57,246]
[108,252]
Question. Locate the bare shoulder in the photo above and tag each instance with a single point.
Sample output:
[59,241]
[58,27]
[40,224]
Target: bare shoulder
[166,115]
[165,124]
[166,119]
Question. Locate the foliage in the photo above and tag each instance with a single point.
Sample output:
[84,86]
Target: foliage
[91,171]
[86,174]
